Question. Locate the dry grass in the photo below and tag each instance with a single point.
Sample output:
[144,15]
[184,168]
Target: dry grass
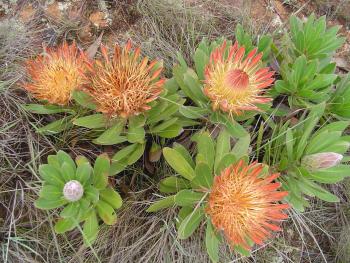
[26,234]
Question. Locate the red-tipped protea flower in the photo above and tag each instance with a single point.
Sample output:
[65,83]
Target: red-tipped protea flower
[233,82]
[242,204]
[124,84]
[55,74]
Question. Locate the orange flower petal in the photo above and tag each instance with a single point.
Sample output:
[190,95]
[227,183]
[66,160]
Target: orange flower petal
[234,84]
[54,75]
[242,204]
[123,85]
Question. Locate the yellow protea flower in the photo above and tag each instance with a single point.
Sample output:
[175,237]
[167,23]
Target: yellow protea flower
[242,204]
[233,83]
[54,75]
[124,84]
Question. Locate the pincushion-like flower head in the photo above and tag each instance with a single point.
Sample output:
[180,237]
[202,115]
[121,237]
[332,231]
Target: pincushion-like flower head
[242,204]
[54,75]
[124,84]
[235,83]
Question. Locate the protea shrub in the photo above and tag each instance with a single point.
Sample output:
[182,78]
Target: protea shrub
[81,192]
[237,200]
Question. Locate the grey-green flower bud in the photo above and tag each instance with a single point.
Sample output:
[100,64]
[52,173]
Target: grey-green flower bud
[318,161]
[73,190]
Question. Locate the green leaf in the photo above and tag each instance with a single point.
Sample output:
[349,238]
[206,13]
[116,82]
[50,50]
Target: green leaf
[65,157]
[163,125]
[173,184]
[264,46]
[315,114]
[179,74]
[84,99]
[171,86]
[190,223]
[83,173]
[212,242]
[188,197]
[124,153]
[119,160]
[90,228]
[313,189]
[71,210]
[225,162]
[331,175]
[183,213]
[51,175]
[136,134]
[169,108]
[322,142]
[92,194]
[195,86]
[201,59]
[111,197]
[223,146]
[81,160]
[289,144]
[171,131]
[56,126]
[242,250]
[46,109]
[183,151]
[192,112]
[233,127]
[178,163]
[45,204]
[53,161]
[112,135]
[161,204]
[65,224]
[93,121]
[68,172]
[204,177]
[136,154]
[101,171]
[241,147]
[106,213]
[51,192]
[206,147]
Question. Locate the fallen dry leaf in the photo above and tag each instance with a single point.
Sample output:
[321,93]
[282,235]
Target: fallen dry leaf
[92,50]
[98,19]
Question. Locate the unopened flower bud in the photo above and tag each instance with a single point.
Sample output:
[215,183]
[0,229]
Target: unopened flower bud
[321,160]
[73,190]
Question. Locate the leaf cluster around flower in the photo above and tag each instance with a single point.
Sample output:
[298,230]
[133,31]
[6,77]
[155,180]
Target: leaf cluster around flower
[82,190]
[233,198]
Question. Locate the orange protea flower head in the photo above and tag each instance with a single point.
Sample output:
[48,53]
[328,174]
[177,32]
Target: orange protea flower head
[242,204]
[124,84]
[55,74]
[234,83]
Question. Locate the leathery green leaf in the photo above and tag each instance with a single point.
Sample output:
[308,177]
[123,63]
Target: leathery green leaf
[212,242]
[161,204]
[179,163]
[65,224]
[90,228]
[92,121]
[190,223]
[111,197]
[204,177]
[106,212]
[188,197]
[101,171]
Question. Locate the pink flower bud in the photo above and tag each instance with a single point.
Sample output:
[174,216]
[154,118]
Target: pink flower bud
[73,190]
[321,160]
